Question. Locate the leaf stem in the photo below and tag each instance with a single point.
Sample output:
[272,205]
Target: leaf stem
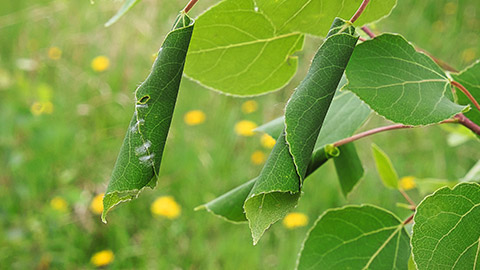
[465,91]
[368,32]
[370,132]
[408,199]
[189,5]
[359,11]
[393,127]
[409,219]
[462,119]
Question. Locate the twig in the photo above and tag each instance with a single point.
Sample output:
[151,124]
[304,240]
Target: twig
[409,219]
[462,119]
[359,11]
[190,5]
[368,133]
[409,200]
[465,91]
[368,32]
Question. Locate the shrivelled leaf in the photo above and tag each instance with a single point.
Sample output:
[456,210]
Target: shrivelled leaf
[470,78]
[246,47]
[127,5]
[277,188]
[385,167]
[356,237]
[399,83]
[349,168]
[139,159]
[446,234]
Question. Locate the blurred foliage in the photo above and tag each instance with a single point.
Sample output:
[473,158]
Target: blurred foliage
[62,124]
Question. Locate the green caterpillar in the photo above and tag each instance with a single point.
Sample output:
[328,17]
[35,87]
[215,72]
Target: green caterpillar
[138,162]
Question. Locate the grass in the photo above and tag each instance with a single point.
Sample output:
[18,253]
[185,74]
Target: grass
[70,152]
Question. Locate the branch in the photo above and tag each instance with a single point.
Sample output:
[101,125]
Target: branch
[409,200]
[409,219]
[462,119]
[393,127]
[370,132]
[368,32]
[190,5]
[359,11]
[465,91]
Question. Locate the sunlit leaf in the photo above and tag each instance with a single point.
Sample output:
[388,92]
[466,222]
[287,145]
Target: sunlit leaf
[246,47]
[385,168]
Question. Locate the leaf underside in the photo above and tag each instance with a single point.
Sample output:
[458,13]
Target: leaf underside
[138,162]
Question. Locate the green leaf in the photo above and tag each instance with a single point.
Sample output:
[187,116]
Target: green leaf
[428,185]
[349,168]
[473,174]
[246,47]
[470,79]
[446,234]
[385,168]
[399,83]
[277,188]
[356,237]
[140,156]
[345,115]
[229,206]
[127,5]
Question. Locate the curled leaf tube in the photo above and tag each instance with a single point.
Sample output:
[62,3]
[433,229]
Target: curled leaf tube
[138,162]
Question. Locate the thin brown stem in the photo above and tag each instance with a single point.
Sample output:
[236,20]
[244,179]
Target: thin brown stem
[359,11]
[462,119]
[368,32]
[408,199]
[190,5]
[465,91]
[369,132]
[409,219]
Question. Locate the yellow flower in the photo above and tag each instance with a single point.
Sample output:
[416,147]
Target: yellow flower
[258,157]
[166,206]
[267,141]
[54,53]
[407,182]
[96,206]
[194,117]
[249,106]
[100,63]
[245,128]
[39,108]
[468,55]
[294,220]
[59,204]
[102,258]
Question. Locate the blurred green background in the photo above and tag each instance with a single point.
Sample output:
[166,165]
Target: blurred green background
[62,124]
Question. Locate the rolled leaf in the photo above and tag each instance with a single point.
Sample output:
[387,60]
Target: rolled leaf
[138,162]
[277,188]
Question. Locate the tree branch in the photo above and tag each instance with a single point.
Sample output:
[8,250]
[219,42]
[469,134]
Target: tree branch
[462,119]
